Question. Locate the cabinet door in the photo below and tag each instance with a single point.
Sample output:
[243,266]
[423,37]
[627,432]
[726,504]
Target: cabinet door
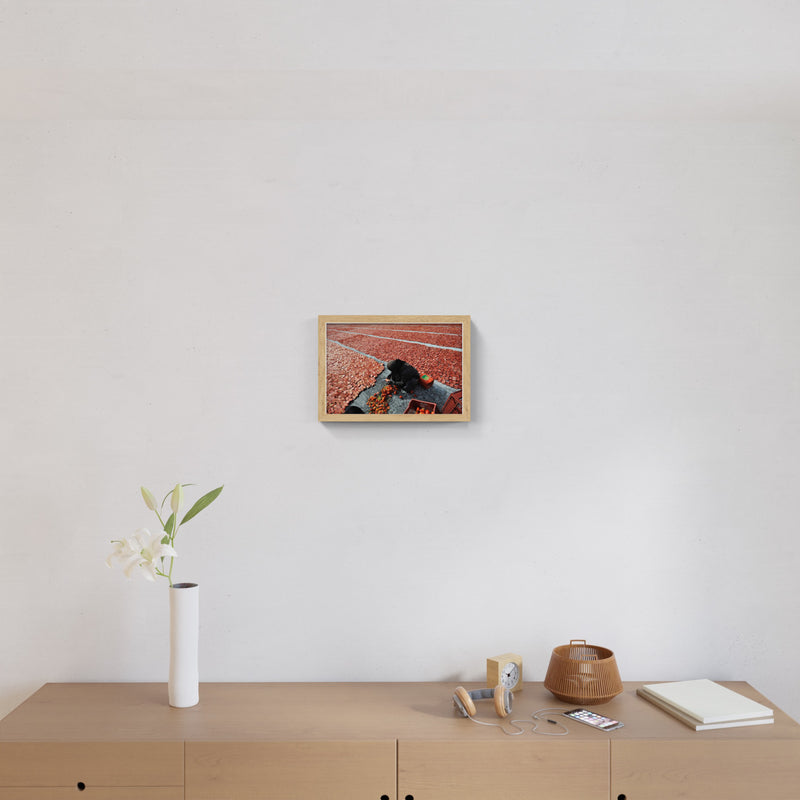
[511,769]
[291,770]
[705,770]
[93,765]
[93,793]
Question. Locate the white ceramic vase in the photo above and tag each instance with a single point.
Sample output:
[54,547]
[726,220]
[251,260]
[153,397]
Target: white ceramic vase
[184,625]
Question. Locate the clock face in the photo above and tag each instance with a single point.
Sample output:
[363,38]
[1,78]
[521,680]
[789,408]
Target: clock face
[509,677]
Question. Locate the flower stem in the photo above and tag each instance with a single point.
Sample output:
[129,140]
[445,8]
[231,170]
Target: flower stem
[175,527]
[163,574]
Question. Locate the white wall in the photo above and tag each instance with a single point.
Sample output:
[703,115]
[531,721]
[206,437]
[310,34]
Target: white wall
[612,191]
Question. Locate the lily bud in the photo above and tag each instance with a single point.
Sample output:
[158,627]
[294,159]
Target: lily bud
[176,501]
[149,499]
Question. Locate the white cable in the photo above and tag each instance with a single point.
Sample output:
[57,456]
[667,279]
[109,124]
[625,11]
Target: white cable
[537,717]
[497,725]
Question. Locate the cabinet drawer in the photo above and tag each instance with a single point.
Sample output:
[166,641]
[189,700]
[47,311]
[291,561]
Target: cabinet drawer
[290,770]
[64,764]
[93,793]
[706,770]
[511,769]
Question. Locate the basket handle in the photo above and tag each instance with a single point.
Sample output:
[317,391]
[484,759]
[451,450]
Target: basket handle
[582,648]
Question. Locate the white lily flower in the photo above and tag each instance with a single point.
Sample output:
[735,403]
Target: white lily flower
[142,549]
[152,551]
[124,549]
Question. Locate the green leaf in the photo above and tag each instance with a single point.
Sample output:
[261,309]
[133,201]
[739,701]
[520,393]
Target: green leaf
[169,525]
[203,502]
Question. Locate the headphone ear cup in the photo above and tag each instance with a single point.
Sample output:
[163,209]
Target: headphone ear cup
[464,702]
[502,701]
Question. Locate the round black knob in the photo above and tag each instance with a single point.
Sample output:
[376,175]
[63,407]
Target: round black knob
[621,797]
[81,786]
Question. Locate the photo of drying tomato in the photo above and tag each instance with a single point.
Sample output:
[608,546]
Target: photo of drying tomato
[399,367]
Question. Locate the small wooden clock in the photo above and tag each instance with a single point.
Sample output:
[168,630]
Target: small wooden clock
[505,670]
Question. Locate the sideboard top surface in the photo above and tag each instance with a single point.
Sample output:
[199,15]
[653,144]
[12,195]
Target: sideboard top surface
[327,711]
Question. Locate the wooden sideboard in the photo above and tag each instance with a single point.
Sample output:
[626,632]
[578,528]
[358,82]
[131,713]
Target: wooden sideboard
[374,741]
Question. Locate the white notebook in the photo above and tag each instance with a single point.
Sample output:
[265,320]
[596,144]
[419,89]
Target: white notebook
[700,726]
[706,701]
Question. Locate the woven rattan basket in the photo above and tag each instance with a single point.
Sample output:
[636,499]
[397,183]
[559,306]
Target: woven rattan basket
[583,673]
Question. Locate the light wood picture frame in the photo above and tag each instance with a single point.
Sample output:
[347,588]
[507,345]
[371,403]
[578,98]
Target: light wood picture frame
[408,368]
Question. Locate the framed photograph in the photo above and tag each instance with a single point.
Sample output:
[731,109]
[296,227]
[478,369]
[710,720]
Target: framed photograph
[394,368]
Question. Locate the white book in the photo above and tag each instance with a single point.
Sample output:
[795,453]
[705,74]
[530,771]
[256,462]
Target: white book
[700,726]
[706,702]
